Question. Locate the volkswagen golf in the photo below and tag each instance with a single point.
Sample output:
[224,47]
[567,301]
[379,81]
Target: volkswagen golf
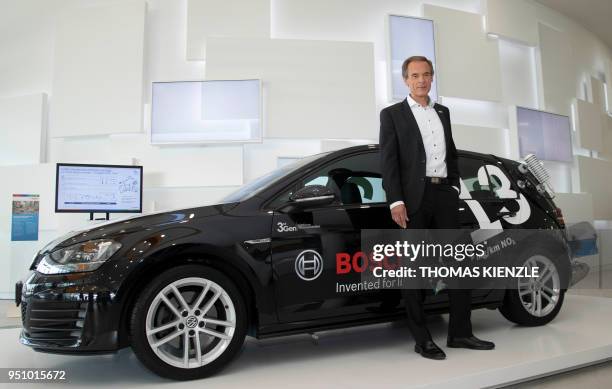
[184,288]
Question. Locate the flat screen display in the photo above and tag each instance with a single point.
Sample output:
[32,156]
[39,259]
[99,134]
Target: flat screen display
[407,37]
[98,188]
[544,134]
[206,111]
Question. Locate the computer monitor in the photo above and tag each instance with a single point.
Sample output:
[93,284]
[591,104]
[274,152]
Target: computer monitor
[98,188]
[544,134]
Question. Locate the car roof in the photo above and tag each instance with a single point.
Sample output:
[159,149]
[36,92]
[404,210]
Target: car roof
[376,147]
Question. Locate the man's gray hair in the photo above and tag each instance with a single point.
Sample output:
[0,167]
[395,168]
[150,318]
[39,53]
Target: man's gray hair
[415,58]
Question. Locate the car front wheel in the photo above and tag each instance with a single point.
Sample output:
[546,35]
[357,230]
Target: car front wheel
[188,323]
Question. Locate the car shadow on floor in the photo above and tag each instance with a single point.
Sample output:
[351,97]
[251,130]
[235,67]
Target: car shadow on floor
[124,368]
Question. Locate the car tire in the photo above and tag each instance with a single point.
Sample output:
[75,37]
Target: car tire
[518,306]
[167,332]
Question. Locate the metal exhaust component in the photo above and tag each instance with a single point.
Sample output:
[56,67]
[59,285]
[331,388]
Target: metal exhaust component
[533,165]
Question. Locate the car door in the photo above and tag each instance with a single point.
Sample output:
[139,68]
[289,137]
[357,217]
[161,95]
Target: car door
[308,243]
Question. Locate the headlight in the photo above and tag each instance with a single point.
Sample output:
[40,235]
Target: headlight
[81,257]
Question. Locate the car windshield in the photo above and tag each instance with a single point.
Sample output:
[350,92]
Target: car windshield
[263,182]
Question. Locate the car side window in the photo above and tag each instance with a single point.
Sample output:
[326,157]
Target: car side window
[475,178]
[501,184]
[354,180]
[484,180]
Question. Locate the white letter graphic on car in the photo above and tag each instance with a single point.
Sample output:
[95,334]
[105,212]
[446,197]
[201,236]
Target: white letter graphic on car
[504,191]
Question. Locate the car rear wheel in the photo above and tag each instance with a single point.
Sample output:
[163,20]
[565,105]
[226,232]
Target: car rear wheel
[535,302]
[188,323]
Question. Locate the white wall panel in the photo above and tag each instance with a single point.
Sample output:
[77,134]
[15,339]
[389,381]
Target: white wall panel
[560,175]
[29,179]
[15,257]
[481,139]
[352,20]
[312,89]
[513,19]
[476,113]
[22,129]
[182,166]
[598,94]
[576,207]
[227,18]
[93,149]
[589,52]
[589,125]
[558,70]
[606,133]
[166,45]
[27,35]
[27,61]
[608,84]
[98,70]
[595,179]
[513,135]
[518,72]
[608,92]
[468,61]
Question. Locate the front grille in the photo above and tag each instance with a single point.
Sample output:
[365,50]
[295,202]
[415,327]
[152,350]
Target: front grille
[59,323]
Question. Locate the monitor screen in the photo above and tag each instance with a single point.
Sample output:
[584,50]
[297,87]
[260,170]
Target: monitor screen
[206,111]
[544,134]
[98,188]
[409,36]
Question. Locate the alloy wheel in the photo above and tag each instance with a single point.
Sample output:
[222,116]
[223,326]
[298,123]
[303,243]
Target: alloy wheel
[539,296]
[190,322]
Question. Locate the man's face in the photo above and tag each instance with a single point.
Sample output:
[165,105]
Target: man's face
[419,78]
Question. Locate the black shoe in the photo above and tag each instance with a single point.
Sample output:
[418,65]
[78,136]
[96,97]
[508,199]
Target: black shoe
[430,350]
[470,342]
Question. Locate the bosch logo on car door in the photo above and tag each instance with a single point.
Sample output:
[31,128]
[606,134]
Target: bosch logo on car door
[308,265]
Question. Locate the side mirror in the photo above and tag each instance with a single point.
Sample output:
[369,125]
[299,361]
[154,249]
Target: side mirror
[309,196]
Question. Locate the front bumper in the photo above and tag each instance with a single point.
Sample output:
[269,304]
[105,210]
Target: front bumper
[66,318]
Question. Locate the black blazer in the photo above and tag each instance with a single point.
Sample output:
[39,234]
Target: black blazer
[403,154]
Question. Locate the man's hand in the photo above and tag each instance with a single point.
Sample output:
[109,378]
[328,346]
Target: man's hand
[400,215]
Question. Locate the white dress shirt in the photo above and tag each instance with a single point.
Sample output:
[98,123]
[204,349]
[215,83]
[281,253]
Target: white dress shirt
[434,142]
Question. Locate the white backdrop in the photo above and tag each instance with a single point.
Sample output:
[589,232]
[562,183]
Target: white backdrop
[530,65]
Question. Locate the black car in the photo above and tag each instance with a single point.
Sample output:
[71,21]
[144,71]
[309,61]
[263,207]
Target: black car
[183,288]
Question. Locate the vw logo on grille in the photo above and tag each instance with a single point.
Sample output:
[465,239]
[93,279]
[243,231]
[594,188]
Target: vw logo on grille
[191,322]
[308,265]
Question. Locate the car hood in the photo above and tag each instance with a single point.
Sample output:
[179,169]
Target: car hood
[137,223]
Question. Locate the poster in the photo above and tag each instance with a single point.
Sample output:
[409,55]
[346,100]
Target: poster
[25,217]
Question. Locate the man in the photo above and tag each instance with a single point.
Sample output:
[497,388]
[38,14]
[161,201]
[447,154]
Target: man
[421,179]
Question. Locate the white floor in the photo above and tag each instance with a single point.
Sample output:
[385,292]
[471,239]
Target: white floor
[379,355]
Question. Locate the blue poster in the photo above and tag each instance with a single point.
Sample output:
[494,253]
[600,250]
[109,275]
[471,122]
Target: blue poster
[25,217]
